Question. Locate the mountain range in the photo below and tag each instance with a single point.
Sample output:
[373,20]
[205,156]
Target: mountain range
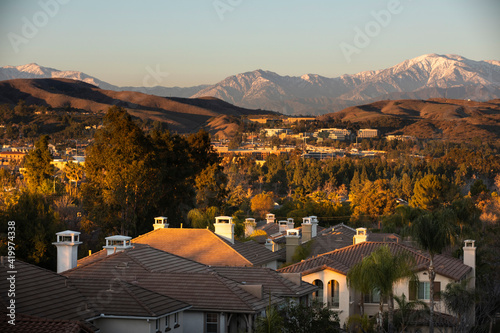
[424,77]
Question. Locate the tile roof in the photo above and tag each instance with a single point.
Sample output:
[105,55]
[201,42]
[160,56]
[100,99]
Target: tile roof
[204,246]
[115,297]
[26,323]
[183,279]
[46,294]
[343,259]
[272,281]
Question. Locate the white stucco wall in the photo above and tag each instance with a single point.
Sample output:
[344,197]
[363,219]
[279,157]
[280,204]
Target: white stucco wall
[272,264]
[193,321]
[111,325]
[349,299]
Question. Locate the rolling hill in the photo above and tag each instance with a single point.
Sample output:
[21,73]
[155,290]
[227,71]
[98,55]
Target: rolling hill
[436,118]
[181,114]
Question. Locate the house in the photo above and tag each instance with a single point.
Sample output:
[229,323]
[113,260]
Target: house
[214,299]
[328,271]
[217,248]
[55,302]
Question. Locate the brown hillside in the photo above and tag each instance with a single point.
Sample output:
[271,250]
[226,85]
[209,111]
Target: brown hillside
[181,114]
[437,118]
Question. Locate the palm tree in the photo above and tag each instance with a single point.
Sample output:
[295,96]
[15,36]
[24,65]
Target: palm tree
[433,233]
[358,277]
[382,269]
[407,309]
[459,300]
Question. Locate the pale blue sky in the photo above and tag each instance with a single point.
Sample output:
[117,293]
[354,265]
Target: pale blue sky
[118,41]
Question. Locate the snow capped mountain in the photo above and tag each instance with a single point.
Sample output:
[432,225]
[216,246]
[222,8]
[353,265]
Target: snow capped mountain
[35,71]
[427,76]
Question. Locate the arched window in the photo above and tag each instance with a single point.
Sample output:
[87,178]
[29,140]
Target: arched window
[333,294]
[318,293]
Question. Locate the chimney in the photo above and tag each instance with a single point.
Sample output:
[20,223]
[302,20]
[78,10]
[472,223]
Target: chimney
[67,249]
[224,227]
[314,222]
[470,260]
[249,227]
[117,243]
[292,242]
[306,229]
[269,244]
[270,218]
[290,222]
[283,226]
[160,223]
[360,236]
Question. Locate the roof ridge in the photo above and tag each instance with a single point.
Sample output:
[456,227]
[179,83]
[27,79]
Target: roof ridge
[227,244]
[147,246]
[127,289]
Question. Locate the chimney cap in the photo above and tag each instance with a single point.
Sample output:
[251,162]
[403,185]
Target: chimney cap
[469,243]
[223,219]
[118,238]
[160,218]
[67,232]
[292,233]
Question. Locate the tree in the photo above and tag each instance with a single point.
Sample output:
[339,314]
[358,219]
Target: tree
[459,300]
[407,311]
[262,204]
[37,165]
[431,191]
[74,172]
[118,173]
[211,185]
[306,318]
[380,271]
[35,227]
[374,200]
[271,322]
[433,232]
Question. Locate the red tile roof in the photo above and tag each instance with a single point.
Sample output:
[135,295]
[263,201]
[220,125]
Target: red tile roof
[343,259]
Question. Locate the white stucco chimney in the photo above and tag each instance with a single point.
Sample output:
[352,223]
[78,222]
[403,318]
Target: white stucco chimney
[292,242]
[117,243]
[67,249]
[290,222]
[224,227]
[470,260]
[360,236]
[283,225]
[249,227]
[160,223]
[270,218]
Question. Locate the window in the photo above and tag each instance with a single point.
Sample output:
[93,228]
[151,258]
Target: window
[211,323]
[318,293]
[157,324]
[373,297]
[422,290]
[176,318]
[167,321]
[333,293]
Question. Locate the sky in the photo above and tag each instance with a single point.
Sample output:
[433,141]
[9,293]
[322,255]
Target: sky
[190,42]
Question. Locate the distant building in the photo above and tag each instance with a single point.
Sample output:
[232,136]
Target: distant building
[367,133]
